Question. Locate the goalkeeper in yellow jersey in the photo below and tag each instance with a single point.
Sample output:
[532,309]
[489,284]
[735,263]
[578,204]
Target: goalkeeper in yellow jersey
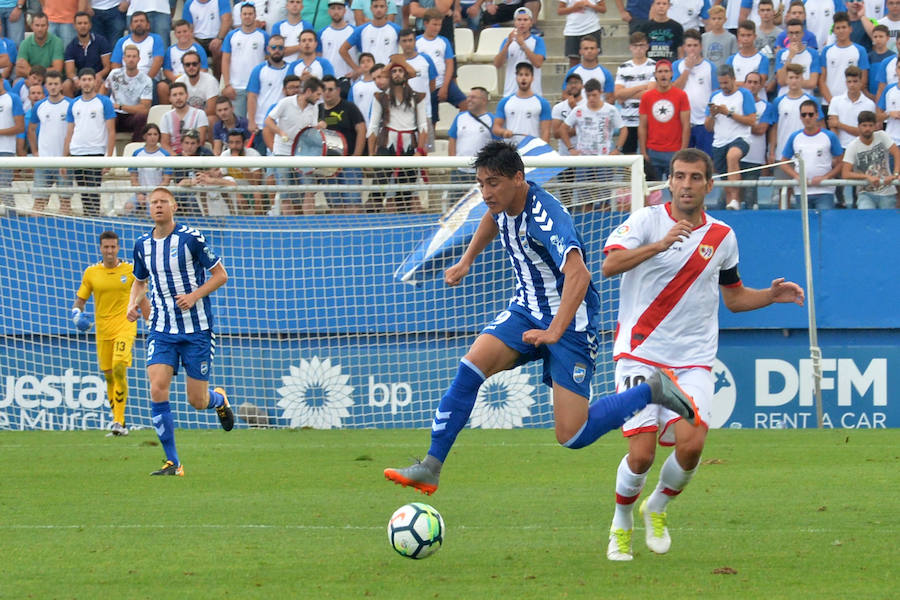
[110,282]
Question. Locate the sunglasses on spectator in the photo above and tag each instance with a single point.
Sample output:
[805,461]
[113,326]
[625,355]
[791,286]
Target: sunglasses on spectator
[191,64]
[276,47]
[807,114]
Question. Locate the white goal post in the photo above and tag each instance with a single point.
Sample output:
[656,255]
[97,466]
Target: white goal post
[314,327]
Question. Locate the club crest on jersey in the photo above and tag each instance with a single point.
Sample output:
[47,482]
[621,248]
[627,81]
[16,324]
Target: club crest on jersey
[173,251]
[705,251]
[123,279]
[579,372]
[558,243]
[204,368]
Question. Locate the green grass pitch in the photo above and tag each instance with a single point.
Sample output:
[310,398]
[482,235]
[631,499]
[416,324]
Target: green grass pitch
[303,514]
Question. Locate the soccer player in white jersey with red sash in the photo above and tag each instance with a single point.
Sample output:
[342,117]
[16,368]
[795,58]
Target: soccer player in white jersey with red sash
[553,317]
[674,259]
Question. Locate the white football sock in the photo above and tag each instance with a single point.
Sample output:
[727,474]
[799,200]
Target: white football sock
[672,479]
[628,488]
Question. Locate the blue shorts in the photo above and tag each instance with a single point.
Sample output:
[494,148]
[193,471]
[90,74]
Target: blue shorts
[195,351]
[569,362]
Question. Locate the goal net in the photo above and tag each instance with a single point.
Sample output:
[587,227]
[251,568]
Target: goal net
[327,321]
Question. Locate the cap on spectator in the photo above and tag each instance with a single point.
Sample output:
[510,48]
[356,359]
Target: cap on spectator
[663,62]
[398,60]
[522,10]
[341,2]
[191,133]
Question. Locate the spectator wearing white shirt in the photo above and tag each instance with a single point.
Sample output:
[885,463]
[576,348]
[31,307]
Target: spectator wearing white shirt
[470,132]
[820,17]
[821,152]
[210,20]
[756,155]
[147,176]
[889,108]
[633,78]
[378,37]
[12,123]
[202,88]
[440,51]
[524,113]
[247,203]
[730,115]
[837,57]
[582,19]
[843,118]
[362,93]
[747,59]
[182,118]
[869,158]
[158,14]
[243,49]
[184,42]
[91,132]
[698,77]
[47,131]
[892,21]
[521,47]
[290,116]
[290,29]
[425,78]
[590,67]
[151,48]
[333,37]
[797,53]
[309,64]
[264,88]
[131,93]
[692,14]
[572,97]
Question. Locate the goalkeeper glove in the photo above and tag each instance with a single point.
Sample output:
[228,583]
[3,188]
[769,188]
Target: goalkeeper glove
[81,320]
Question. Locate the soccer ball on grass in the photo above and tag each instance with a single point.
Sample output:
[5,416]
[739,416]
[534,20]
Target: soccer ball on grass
[416,530]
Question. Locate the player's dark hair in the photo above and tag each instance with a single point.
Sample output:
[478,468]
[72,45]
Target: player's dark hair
[81,13]
[53,74]
[223,100]
[693,156]
[109,235]
[482,90]
[369,54]
[883,29]
[574,76]
[525,65]
[86,71]
[39,70]
[793,23]
[178,84]
[866,116]
[499,158]
[693,34]
[150,127]
[587,38]
[289,79]
[726,71]
[136,14]
[375,68]
[841,17]
[179,23]
[767,2]
[853,71]
[409,31]
[311,32]
[638,37]
[327,78]
[747,25]
[592,85]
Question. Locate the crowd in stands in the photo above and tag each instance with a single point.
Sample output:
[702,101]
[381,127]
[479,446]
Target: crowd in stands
[751,82]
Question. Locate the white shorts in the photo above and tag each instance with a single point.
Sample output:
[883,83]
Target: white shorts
[696,381]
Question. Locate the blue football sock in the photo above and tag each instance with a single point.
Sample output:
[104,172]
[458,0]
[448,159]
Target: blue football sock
[215,399]
[165,429]
[608,413]
[454,409]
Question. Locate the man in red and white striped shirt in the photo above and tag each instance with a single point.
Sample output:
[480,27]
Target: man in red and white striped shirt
[674,260]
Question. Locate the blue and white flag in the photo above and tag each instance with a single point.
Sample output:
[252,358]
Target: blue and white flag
[457,226]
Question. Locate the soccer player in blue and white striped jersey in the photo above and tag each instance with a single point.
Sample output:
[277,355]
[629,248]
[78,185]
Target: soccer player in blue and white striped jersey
[171,261]
[553,316]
